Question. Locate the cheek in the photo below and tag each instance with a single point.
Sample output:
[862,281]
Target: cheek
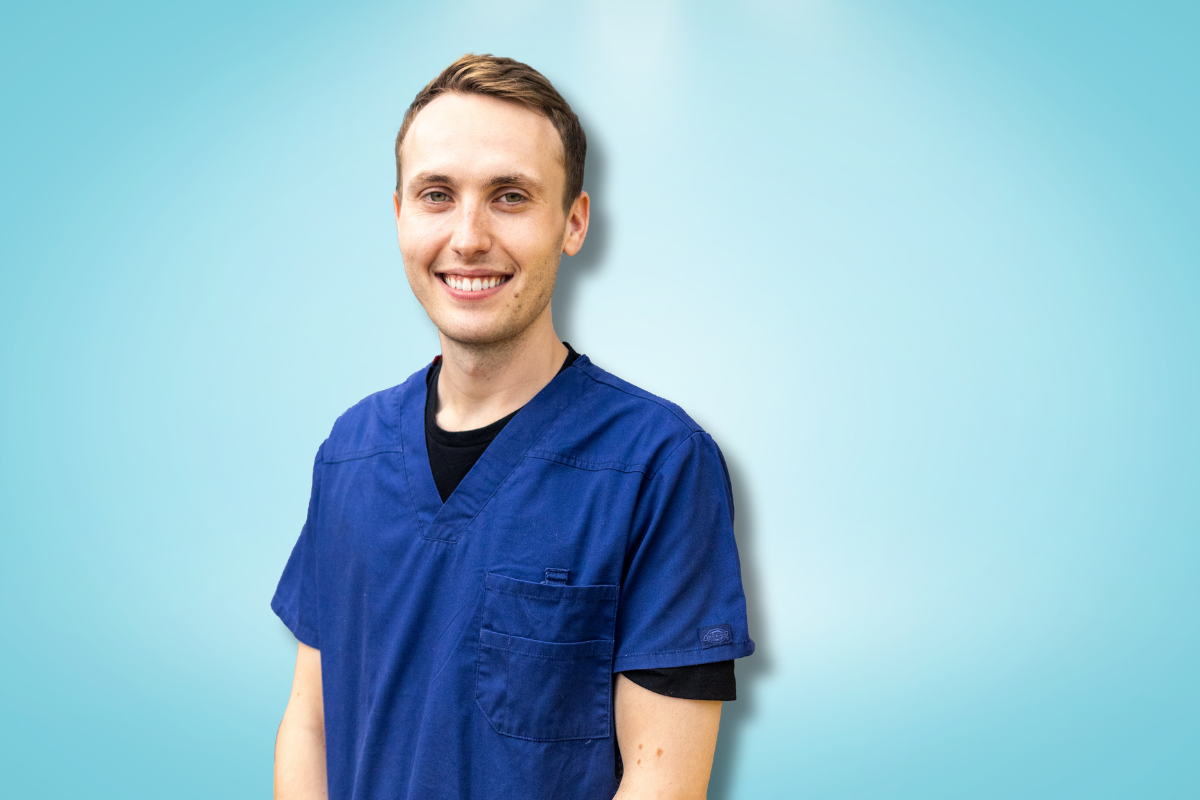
[416,262]
[534,242]
[419,241]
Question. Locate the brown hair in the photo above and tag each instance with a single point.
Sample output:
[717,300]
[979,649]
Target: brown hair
[509,80]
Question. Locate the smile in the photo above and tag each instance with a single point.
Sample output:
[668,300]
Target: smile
[473,284]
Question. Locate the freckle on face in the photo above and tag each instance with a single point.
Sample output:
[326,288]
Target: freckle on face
[659,753]
[639,747]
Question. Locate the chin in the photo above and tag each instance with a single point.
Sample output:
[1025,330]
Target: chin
[477,335]
[485,327]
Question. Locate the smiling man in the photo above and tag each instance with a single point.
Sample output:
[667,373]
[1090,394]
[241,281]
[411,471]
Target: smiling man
[518,575]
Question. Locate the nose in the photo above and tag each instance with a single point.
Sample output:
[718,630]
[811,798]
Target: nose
[471,237]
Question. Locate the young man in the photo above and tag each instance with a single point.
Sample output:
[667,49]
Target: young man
[518,576]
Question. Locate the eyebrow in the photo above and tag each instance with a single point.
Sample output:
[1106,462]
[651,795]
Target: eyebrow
[426,178]
[515,179]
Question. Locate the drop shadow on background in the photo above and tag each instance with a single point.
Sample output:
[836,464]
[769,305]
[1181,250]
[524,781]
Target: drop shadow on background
[735,716]
[573,270]
[572,274]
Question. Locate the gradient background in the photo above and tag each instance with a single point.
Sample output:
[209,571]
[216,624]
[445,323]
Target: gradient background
[928,271]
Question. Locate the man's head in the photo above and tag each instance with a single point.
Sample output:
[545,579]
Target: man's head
[489,176]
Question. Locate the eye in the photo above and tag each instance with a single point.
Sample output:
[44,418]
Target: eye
[512,197]
[437,197]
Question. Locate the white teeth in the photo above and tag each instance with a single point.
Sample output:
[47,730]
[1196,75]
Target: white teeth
[473,284]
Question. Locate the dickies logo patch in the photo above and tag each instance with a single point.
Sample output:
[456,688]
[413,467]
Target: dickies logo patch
[716,636]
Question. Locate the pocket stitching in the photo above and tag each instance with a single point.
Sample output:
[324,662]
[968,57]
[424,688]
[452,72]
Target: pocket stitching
[588,593]
[593,645]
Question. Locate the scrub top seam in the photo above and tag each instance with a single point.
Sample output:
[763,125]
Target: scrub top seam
[567,460]
[684,650]
[671,455]
[690,424]
[298,629]
[732,516]
[365,454]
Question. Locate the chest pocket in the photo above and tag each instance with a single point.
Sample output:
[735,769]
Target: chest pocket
[545,659]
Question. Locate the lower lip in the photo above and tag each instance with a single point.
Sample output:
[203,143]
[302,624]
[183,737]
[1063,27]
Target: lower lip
[482,294]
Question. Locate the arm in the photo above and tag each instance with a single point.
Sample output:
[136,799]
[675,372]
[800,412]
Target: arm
[666,743]
[300,744]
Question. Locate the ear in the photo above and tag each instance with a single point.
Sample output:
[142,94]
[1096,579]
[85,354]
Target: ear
[396,209]
[577,224]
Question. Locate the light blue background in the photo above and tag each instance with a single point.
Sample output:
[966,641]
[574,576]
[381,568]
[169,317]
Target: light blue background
[928,271]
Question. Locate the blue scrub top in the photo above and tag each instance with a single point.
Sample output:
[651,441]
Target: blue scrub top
[468,650]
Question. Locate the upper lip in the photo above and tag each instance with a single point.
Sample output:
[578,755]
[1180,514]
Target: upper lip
[473,273]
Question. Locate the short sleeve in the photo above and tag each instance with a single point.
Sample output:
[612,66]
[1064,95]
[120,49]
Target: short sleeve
[681,601]
[295,600]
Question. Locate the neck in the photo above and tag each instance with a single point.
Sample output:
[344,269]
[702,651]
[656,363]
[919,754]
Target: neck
[481,383]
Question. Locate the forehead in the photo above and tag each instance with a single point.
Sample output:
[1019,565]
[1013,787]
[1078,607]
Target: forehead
[475,136]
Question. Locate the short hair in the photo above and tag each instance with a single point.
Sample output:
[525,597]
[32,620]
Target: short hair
[508,79]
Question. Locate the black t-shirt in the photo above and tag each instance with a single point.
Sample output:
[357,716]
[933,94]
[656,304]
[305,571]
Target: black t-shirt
[451,456]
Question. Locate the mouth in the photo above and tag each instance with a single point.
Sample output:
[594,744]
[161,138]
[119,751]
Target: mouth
[473,287]
[464,283]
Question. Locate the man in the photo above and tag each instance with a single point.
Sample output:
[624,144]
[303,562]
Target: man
[518,576]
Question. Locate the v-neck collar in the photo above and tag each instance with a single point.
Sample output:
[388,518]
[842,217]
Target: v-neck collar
[447,522]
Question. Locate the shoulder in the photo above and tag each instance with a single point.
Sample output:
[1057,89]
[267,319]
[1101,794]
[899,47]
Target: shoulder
[621,399]
[372,425]
[614,424]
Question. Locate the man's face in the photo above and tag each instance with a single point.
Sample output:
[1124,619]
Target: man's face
[480,218]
